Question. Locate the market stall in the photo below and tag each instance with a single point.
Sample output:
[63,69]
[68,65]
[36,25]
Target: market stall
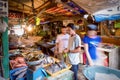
[28,34]
[34,61]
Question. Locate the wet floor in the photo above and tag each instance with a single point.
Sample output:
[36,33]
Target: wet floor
[80,74]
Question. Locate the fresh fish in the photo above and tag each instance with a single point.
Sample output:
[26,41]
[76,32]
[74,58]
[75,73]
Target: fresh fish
[54,68]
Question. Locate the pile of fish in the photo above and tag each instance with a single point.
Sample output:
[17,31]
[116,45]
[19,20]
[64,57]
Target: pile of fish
[34,57]
[57,66]
[47,60]
[39,59]
[17,61]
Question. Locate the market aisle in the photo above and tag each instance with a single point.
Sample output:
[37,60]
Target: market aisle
[80,74]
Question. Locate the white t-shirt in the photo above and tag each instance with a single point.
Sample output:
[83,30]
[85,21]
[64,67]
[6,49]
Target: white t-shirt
[62,41]
[74,42]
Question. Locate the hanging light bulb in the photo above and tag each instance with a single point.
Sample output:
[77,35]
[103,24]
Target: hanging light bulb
[29,28]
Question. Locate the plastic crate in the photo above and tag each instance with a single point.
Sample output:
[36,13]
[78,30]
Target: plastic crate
[38,74]
[89,72]
[13,71]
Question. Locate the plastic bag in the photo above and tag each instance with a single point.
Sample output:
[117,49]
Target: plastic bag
[3,25]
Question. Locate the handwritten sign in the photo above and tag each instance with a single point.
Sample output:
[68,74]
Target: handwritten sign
[3,8]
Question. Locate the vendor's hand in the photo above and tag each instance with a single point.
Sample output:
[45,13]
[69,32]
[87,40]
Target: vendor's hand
[65,55]
[65,51]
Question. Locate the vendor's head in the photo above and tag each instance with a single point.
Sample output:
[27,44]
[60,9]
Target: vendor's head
[71,28]
[64,29]
[12,32]
[92,29]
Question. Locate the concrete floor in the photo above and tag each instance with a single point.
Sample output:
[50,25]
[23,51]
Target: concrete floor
[80,74]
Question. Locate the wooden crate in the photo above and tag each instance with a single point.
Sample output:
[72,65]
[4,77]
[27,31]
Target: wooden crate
[59,72]
[67,75]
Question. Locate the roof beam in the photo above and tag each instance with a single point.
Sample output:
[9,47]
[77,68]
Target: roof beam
[19,2]
[43,4]
[20,10]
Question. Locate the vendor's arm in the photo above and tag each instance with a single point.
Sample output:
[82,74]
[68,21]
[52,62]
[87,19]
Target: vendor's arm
[86,48]
[75,50]
[57,45]
[77,45]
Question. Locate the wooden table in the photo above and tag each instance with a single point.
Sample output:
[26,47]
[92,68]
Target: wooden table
[45,47]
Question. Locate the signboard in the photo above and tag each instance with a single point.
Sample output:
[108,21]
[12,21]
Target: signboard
[3,8]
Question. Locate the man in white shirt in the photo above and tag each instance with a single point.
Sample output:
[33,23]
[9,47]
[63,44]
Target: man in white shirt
[73,49]
[61,43]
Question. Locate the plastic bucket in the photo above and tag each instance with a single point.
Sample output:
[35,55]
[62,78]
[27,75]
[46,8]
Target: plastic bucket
[89,72]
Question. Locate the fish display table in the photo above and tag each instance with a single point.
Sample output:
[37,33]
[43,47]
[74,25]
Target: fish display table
[46,47]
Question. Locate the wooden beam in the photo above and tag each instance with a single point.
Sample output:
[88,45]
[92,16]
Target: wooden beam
[104,27]
[19,2]
[77,17]
[20,10]
[41,9]
[47,2]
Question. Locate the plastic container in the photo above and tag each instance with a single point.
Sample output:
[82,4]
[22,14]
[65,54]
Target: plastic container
[13,71]
[38,74]
[89,72]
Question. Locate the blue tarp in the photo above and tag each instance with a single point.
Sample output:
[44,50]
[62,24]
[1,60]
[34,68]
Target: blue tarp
[104,17]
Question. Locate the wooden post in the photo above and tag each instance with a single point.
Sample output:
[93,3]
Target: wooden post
[5,59]
[104,29]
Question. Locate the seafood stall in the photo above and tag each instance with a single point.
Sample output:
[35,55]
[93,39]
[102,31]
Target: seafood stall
[28,62]
[31,48]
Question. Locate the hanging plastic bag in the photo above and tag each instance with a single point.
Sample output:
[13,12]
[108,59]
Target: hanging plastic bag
[3,25]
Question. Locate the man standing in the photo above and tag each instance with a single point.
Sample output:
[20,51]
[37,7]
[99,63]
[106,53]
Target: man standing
[61,43]
[91,42]
[73,49]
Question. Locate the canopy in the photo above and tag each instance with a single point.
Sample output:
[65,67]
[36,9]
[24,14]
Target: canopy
[112,13]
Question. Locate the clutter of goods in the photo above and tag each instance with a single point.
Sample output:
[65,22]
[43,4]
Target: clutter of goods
[17,61]
[21,60]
